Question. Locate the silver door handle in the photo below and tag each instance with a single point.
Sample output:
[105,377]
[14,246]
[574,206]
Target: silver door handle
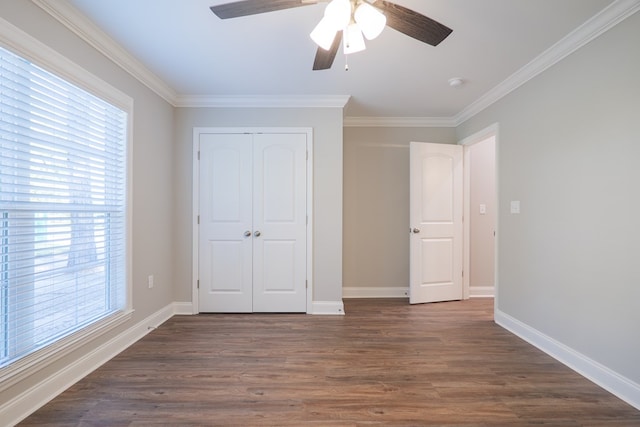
[247,233]
[257,234]
[416,230]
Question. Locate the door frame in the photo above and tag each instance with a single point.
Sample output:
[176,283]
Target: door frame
[197,131]
[482,135]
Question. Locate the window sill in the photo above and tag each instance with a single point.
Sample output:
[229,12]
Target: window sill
[29,365]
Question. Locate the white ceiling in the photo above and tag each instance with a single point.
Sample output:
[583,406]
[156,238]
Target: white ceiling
[271,54]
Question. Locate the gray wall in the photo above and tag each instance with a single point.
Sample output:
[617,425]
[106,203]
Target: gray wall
[327,187]
[376,203]
[152,174]
[568,149]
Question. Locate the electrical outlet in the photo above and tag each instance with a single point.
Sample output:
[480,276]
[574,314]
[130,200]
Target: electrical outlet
[150,281]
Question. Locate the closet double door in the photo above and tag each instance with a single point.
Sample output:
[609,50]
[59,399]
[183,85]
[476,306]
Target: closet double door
[253,218]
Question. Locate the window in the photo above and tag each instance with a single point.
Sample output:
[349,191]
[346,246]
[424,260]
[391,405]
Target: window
[63,209]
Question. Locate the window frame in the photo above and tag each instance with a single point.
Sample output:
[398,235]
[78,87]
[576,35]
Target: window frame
[31,49]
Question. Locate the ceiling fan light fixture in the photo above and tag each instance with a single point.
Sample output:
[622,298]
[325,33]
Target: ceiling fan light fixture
[324,33]
[338,13]
[370,20]
[353,40]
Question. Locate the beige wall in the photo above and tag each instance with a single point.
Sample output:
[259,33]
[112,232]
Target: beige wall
[482,191]
[376,204]
[568,150]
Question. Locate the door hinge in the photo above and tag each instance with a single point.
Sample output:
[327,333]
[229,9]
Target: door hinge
[462,273]
[198,219]
[198,155]
[198,283]
[307,219]
[306,284]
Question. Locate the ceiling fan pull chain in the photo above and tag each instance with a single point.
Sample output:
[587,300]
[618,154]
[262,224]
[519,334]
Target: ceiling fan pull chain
[346,62]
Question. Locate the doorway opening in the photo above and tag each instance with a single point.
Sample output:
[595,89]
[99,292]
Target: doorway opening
[480,213]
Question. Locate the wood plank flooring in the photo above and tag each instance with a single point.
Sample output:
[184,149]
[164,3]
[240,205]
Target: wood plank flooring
[383,364]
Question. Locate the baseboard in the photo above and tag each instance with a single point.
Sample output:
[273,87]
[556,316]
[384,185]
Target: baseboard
[403,292]
[318,307]
[620,386]
[21,406]
[375,292]
[183,308]
[335,308]
[482,291]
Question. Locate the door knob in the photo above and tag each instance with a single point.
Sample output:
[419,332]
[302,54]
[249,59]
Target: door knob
[257,234]
[416,230]
[247,233]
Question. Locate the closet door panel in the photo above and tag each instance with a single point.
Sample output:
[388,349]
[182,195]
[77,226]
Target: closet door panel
[279,218]
[225,242]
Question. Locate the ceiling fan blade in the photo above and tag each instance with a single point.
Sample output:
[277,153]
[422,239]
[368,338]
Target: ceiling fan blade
[324,58]
[253,7]
[413,23]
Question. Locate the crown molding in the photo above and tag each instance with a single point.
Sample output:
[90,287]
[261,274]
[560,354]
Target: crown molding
[75,21]
[263,101]
[615,13]
[404,122]
[609,17]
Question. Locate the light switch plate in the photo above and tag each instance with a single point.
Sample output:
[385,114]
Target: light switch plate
[515,206]
[483,209]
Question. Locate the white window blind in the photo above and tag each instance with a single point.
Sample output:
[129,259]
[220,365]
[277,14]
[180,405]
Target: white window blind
[62,208]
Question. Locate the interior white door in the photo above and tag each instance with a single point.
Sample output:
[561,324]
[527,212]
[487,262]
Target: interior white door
[252,234]
[226,223]
[279,222]
[435,218]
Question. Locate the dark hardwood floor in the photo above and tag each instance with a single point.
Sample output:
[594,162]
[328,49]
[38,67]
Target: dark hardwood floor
[384,364]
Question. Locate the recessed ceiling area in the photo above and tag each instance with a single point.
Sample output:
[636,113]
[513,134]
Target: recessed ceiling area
[271,54]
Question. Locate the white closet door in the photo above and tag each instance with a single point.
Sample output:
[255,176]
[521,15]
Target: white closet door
[280,221]
[252,233]
[225,234]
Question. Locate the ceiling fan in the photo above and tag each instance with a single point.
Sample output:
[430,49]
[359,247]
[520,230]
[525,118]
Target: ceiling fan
[345,22]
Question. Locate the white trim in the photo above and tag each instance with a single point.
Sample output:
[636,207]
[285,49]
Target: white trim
[310,220]
[615,13]
[331,308]
[606,19]
[481,135]
[21,406]
[404,122]
[622,387]
[609,17]
[27,366]
[195,210]
[267,101]
[23,44]
[183,308]
[88,31]
[197,131]
[482,292]
[84,28]
[375,292]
